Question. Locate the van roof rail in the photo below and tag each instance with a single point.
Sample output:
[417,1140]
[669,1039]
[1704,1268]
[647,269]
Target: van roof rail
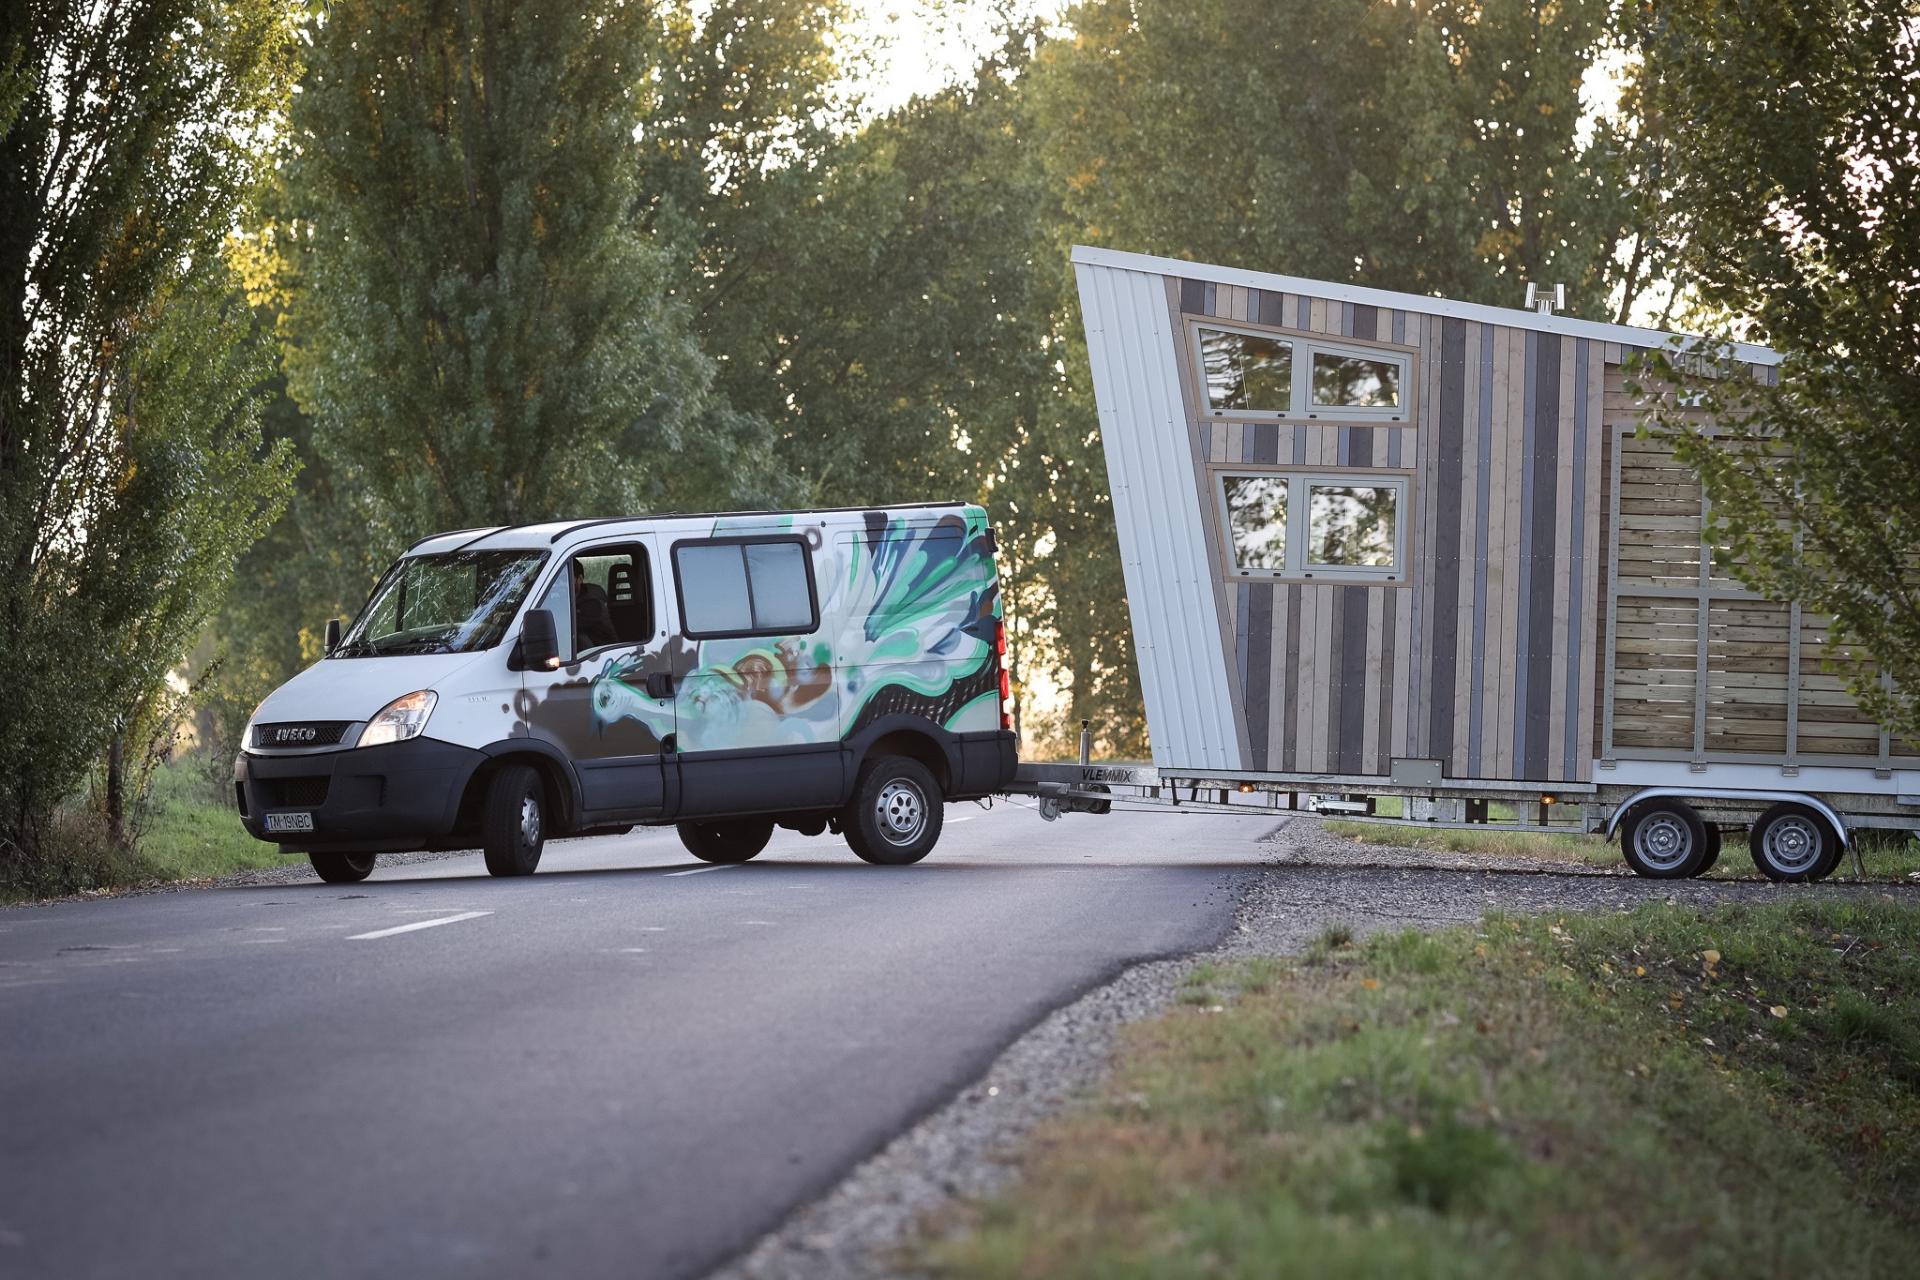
[714,515]
[448,533]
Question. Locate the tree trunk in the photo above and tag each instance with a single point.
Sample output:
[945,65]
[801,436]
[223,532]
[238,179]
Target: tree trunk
[116,788]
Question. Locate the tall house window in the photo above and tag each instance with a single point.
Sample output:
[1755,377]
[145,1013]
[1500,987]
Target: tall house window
[1248,374]
[1321,527]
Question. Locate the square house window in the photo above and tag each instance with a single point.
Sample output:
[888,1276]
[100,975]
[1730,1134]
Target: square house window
[1346,381]
[1352,526]
[1251,375]
[1247,371]
[1316,526]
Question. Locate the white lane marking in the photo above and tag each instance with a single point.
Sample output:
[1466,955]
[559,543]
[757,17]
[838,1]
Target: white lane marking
[694,871]
[417,924]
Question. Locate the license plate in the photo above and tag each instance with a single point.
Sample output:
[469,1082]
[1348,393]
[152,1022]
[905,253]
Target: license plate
[289,822]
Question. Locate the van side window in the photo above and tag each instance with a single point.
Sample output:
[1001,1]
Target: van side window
[612,597]
[745,586]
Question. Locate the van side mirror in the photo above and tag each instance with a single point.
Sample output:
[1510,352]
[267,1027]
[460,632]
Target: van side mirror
[539,646]
[333,636]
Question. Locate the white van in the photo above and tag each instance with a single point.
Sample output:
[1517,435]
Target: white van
[822,670]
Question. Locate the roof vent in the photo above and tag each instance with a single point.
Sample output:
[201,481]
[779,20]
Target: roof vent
[1547,301]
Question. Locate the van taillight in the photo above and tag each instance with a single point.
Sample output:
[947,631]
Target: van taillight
[1006,681]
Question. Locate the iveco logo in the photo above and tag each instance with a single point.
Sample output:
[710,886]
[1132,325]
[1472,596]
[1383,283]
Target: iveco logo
[299,733]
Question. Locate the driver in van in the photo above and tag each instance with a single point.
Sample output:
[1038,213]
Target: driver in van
[592,620]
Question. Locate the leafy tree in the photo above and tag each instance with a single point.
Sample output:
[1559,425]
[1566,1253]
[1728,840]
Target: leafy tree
[1795,197]
[1432,147]
[476,327]
[131,474]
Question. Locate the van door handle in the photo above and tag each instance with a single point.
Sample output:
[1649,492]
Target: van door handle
[660,685]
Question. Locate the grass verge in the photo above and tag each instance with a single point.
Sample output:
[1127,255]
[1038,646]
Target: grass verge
[187,836]
[1885,855]
[1550,846]
[1661,1093]
[190,836]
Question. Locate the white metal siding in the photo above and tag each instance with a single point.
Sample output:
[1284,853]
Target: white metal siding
[1170,592]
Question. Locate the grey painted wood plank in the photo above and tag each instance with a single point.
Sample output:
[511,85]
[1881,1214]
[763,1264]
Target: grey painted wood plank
[1445,572]
[1542,583]
[1482,526]
[1259,670]
[1522,652]
[1290,708]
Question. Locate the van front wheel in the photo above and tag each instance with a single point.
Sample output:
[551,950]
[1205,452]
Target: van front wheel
[342,868]
[736,840]
[513,828]
[895,815]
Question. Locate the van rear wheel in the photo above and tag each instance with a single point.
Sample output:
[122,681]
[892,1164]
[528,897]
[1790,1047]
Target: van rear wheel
[513,825]
[342,868]
[736,840]
[895,815]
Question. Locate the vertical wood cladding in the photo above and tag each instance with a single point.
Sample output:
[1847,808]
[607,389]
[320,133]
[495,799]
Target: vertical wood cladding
[1486,657]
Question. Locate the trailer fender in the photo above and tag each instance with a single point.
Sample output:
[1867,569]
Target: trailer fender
[1814,803]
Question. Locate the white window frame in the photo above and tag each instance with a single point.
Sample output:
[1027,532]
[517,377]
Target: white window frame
[1302,407]
[1300,486]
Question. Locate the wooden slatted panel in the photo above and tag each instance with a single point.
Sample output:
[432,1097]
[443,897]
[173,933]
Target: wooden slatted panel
[1831,723]
[1659,517]
[1655,648]
[1749,677]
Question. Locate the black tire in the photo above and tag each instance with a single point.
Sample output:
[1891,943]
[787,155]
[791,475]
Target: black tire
[728,841]
[343,868]
[1713,849]
[896,812]
[1663,839]
[1792,843]
[513,822]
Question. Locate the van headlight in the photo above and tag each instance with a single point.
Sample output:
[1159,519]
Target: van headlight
[405,717]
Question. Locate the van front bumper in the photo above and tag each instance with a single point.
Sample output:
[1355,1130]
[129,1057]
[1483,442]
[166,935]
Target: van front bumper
[386,799]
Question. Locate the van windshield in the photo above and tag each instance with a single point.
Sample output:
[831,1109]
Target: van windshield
[459,602]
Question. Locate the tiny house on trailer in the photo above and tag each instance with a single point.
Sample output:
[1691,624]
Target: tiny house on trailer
[1376,543]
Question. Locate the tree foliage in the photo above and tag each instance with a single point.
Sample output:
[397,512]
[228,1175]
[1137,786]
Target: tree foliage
[1796,202]
[131,474]
[477,326]
[1432,147]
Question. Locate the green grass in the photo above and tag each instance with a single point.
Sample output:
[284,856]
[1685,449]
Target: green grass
[186,835]
[190,836]
[1885,855]
[1553,846]
[1661,1093]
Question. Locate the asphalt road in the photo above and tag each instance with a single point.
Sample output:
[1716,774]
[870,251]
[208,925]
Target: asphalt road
[632,1064]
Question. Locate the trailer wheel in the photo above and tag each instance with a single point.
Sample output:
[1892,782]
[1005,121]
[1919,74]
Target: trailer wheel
[732,841]
[1791,842]
[1663,839]
[895,815]
[1713,849]
[513,826]
[342,868]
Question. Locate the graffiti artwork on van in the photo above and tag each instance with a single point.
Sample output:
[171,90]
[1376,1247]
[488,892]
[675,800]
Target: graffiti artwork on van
[907,618]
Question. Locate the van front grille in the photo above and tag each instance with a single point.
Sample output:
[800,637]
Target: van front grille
[300,733]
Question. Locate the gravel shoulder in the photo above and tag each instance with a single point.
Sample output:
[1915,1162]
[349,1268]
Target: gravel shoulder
[1312,880]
